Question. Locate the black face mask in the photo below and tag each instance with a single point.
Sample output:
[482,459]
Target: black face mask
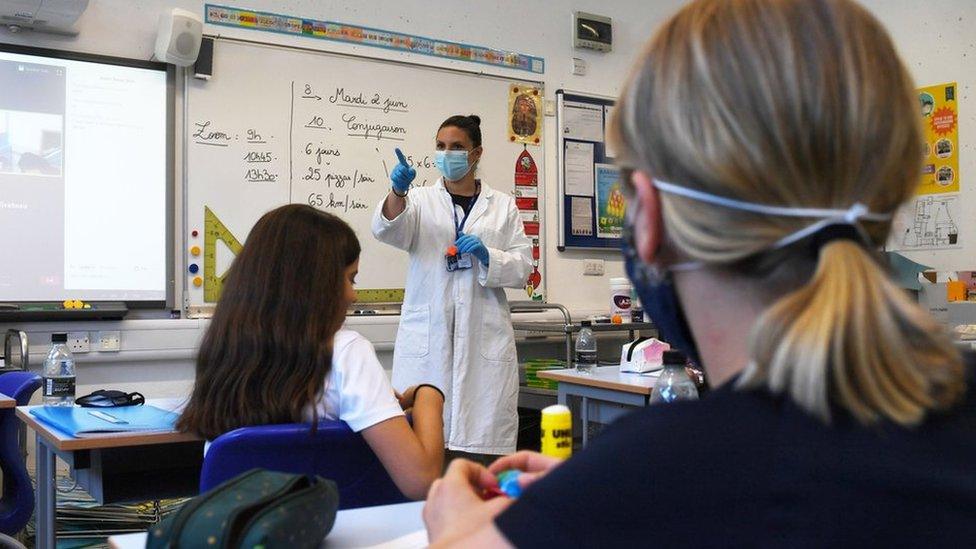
[105,398]
[657,294]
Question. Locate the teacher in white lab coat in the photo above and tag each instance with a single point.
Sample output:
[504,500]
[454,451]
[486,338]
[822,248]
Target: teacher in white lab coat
[466,244]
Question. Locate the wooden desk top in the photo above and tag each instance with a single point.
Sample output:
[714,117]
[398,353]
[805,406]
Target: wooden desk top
[63,441]
[7,402]
[605,377]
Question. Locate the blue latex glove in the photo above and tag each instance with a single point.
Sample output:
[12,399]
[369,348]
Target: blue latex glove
[471,244]
[402,174]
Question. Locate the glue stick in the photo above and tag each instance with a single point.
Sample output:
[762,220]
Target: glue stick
[557,431]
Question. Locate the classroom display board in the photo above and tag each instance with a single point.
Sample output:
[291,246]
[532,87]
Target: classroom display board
[277,125]
[591,199]
[932,219]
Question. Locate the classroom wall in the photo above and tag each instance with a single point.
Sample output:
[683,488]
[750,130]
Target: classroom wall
[156,355]
[934,37]
[125,28]
[937,42]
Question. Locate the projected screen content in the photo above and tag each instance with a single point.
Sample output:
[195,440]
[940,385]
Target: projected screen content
[83,180]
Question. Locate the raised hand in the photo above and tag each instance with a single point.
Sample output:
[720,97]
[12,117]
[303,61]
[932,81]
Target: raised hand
[402,174]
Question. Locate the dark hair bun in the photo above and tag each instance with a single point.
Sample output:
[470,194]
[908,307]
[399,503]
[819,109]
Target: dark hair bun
[470,124]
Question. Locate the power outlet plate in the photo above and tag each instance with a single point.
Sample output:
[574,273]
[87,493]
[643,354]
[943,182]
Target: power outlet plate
[109,341]
[579,66]
[593,267]
[78,342]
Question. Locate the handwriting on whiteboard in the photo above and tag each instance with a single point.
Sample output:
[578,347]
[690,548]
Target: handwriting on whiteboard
[310,158]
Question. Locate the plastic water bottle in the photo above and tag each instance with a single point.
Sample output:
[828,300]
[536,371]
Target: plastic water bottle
[636,308]
[586,349]
[59,373]
[673,383]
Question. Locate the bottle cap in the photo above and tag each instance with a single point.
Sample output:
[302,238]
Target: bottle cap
[674,357]
[451,250]
[586,323]
[59,338]
[556,409]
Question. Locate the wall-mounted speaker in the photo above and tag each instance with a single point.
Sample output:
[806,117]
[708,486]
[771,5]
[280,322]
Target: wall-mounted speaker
[178,37]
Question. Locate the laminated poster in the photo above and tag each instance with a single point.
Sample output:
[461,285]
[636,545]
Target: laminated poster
[578,163]
[940,118]
[581,216]
[525,114]
[582,121]
[927,222]
[610,202]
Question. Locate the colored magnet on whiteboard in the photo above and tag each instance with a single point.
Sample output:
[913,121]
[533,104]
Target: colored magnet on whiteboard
[195,251]
[197,281]
[194,268]
[195,233]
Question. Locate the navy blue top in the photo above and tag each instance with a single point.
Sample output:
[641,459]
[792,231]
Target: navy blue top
[749,469]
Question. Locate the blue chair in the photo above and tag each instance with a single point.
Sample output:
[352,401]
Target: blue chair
[17,502]
[334,451]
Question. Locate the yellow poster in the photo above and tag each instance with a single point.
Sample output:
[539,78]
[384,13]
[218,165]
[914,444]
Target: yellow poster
[525,115]
[940,117]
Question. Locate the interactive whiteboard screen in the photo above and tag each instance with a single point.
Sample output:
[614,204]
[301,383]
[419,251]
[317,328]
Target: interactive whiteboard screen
[83,178]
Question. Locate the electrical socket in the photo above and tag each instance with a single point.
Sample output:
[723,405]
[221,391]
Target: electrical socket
[110,341]
[550,107]
[579,66]
[593,267]
[78,342]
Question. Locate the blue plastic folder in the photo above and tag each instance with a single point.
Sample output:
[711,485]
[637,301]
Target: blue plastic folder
[87,422]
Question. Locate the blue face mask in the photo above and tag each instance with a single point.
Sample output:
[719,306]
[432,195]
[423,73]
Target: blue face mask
[453,165]
[657,295]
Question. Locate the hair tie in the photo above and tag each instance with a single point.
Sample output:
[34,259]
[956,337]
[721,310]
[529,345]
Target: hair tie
[836,231]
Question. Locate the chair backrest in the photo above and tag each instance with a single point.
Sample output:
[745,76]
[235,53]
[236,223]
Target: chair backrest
[17,502]
[333,451]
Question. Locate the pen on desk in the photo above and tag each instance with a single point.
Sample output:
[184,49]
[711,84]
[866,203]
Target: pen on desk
[107,417]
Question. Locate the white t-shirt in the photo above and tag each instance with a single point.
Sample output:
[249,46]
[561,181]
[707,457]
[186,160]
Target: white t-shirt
[357,389]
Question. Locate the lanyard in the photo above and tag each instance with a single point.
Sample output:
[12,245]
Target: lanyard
[459,227]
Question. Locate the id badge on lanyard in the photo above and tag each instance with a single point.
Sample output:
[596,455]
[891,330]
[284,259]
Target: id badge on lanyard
[455,260]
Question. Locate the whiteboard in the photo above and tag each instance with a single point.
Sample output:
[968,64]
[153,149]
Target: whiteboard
[277,125]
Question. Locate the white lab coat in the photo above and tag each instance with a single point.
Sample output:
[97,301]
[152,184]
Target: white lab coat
[455,327]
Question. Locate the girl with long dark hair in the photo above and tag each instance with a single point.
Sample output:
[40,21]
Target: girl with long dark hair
[275,351]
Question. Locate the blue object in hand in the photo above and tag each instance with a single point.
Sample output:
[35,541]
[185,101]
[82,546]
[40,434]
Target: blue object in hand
[471,244]
[402,174]
[508,483]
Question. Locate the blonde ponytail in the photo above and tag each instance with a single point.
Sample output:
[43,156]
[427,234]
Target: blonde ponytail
[797,105]
[851,337]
